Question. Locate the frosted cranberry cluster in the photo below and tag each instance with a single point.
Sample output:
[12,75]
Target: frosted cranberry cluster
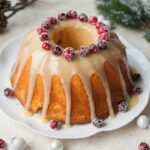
[69,53]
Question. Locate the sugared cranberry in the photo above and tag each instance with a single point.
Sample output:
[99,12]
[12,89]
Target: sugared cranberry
[45,24]
[102,30]
[144,146]
[83,17]
[54,124]
[98,122]
[57,50]
[71,14]
[104,36]
[40,30]
[102,44]
[52,20]
[93,20]
[68,53]
[136,77]
[8,92]
[123,107]
[83,51]
[62,16]
[137,90]
[93,48]
[46,45]
[98,25]
[44,36]
[2,144]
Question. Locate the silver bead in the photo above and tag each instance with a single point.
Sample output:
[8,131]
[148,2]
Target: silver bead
[17,143]
[56,145]
[143,121]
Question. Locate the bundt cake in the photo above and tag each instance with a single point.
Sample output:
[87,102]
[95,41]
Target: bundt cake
[73,69]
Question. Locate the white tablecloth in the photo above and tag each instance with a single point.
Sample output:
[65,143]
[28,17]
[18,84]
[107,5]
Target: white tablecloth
[126,138]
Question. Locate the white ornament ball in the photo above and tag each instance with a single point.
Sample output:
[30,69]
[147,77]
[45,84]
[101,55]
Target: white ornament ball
[143,121]
[18,143]
[107,22]
[56,145]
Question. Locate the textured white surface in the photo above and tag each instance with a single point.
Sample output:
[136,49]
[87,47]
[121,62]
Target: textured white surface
[124,138]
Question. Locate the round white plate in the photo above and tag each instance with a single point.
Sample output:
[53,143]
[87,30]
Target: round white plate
[12,107]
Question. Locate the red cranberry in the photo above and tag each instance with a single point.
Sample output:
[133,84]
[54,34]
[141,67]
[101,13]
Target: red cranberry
[98,25]
[44,36]
[52,20]
[83,51]
[62,16]
[46,45]
[71,14]
[102,44]
[136,77]
[45,24]
[93,48]
[54,124]
[68,53]
[2,144]
[8,92]
[105,36]
[123,107]
[93,20]
[83,17]
[40,30]
[144,146]
[98,122]
[137,90]
[57,50]
[102,30]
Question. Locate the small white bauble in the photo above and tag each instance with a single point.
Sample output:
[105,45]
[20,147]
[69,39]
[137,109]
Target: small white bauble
[107,22]
[143,121]
[18,143]
[56,145]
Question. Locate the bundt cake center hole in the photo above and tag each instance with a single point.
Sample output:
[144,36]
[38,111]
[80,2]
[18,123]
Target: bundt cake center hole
[73,37]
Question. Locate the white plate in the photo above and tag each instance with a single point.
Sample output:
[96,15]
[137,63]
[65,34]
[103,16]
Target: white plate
[12,107]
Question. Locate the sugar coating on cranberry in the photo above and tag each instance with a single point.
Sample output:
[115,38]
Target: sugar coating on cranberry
[98,25]
[104,36]
[57,50]
[45,24]
[98,122]
[102,29]
[137,90]
[40,30]
[62,16]
[83,51]
[9,92]
[46,45]
[93,20]
[136,77]
[102,44]
[71,14]
[44,36]
[123,106]
[93,48]
[2,144]
[83,17]
[54,124]
[144,146]
[68,53]
[52,20]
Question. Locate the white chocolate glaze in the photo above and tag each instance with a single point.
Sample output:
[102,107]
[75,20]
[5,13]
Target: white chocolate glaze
[47,65]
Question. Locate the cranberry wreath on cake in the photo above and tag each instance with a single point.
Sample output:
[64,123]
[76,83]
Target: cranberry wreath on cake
[73,69]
